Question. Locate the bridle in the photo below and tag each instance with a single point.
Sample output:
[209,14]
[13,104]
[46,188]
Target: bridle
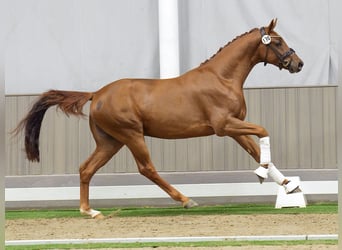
[267,39]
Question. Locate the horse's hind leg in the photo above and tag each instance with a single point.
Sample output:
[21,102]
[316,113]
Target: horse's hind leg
[146,168]
[106,147]
[98,158]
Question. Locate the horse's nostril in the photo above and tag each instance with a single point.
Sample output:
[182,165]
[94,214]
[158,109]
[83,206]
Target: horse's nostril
[300,65]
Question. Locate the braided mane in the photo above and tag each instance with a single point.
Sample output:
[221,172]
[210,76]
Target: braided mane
[220,49]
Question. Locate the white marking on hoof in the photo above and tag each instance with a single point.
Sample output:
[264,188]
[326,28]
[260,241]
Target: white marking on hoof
[291,187]
[190,204]
[262,173]
[93,213]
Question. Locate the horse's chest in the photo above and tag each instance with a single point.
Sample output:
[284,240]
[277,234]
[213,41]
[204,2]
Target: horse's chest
[236,106]
[238,112]
[242,113]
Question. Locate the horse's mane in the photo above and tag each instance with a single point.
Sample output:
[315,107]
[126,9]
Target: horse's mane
[220,49]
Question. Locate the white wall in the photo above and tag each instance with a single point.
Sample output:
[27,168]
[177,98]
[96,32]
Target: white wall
[84,44]
[305,26]
[79,44]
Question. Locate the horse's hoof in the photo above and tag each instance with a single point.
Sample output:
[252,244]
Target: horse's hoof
[297,190]
[92,213]
[261,180]
[292,187]
[190,203]
[100,216]
[262,173]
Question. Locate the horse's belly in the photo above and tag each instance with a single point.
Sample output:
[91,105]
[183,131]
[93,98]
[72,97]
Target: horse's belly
[177,131]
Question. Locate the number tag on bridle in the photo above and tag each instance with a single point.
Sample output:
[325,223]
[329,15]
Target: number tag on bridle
[266,39]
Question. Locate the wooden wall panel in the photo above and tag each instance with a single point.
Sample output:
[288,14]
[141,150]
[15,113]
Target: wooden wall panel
[301,123]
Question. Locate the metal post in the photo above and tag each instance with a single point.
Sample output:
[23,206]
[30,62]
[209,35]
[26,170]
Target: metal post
[168,38]
[339,142]
[2,147]
[335,6]
[339,136]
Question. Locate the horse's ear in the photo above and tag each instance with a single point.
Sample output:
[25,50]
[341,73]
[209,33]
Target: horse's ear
[272,24]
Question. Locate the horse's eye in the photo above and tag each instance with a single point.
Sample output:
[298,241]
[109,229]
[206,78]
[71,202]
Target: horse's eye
[277,42]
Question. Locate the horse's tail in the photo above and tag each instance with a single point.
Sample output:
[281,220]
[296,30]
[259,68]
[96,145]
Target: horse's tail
[70,102]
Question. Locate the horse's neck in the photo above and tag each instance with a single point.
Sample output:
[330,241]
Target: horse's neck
[237,59]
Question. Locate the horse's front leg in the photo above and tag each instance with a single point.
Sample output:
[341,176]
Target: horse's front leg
[240,131]
[249,145]
[256,151]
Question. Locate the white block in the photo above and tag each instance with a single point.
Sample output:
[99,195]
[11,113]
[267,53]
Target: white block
[290,200]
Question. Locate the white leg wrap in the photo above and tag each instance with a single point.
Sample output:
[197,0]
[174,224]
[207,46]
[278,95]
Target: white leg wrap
[275,174]
[265,150]
[261,172]
[91,212]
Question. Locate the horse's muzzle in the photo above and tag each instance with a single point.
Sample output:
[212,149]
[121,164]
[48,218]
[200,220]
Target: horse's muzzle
[295,66]
[300,66]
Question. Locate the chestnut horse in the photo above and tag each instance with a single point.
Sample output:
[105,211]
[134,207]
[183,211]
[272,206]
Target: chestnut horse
[204,101]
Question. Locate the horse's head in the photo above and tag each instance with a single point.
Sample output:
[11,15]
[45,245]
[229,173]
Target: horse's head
[274,50]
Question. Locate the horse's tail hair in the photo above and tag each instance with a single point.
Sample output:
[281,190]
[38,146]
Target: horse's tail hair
[70,102]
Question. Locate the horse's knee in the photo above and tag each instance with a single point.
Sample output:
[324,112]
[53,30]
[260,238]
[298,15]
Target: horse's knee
[262,132]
